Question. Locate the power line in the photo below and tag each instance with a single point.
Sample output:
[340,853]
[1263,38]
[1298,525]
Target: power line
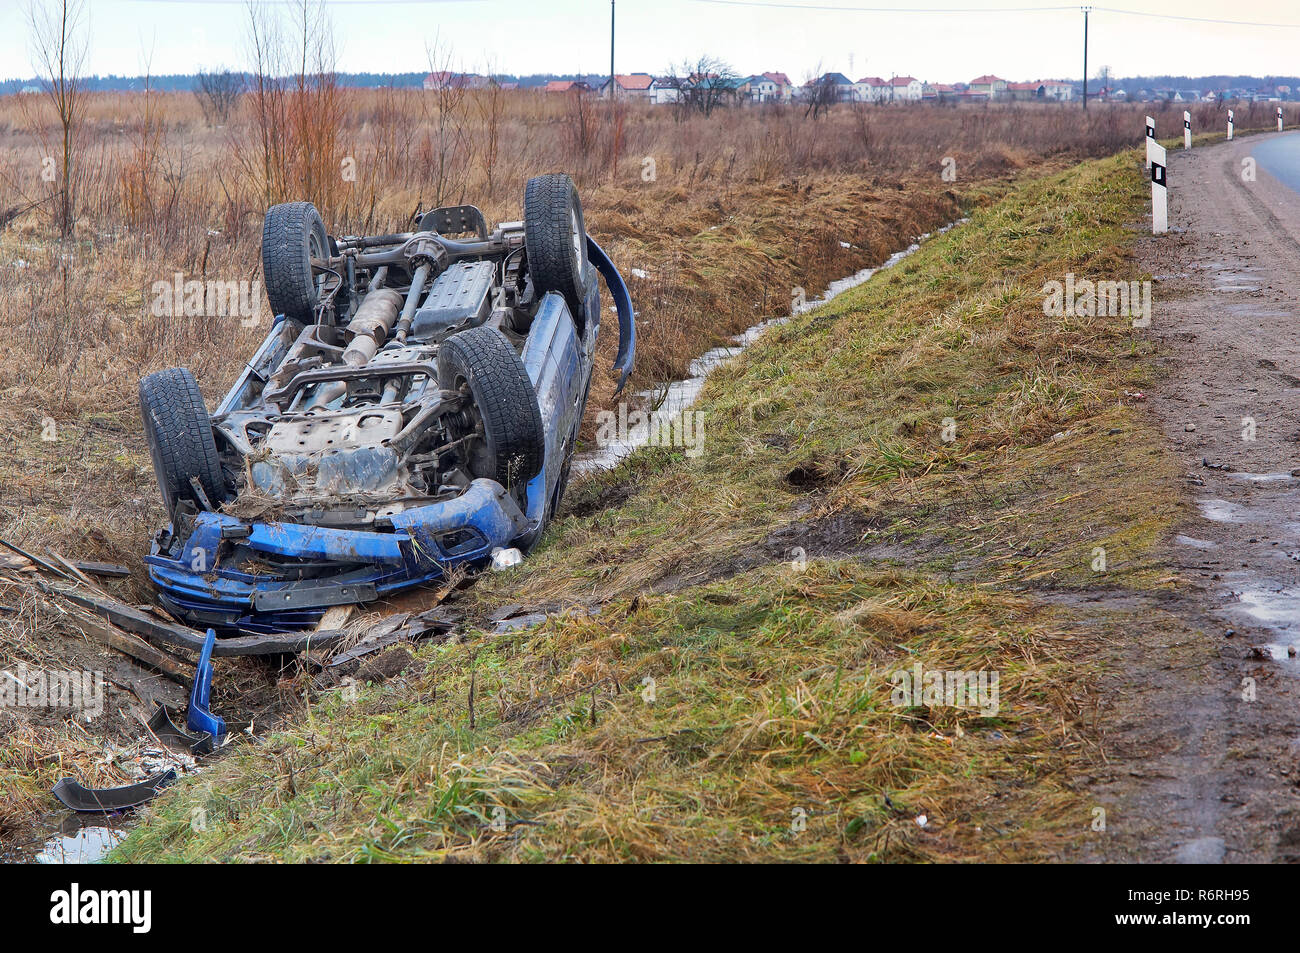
[1175,16]
[298,3]
[844,9]
[776,5]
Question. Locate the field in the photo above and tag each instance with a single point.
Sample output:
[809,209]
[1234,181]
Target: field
[823,437]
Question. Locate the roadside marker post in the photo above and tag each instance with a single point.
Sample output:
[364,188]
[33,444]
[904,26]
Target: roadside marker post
[1279,118]
[1151,139]
[1159,190]
[1229,125]
[1187,129]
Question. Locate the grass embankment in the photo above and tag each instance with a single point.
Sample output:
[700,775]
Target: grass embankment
[728,703]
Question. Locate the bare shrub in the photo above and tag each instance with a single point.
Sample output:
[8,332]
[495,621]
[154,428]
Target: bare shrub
[218,95]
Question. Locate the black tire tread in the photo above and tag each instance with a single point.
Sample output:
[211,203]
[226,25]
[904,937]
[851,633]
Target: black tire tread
[286,231]
[504,397]
[553,262]
[179,429]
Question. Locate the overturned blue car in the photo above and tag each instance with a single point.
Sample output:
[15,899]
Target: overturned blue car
[413,409]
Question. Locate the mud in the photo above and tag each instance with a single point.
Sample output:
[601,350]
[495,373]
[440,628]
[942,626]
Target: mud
[1207,735]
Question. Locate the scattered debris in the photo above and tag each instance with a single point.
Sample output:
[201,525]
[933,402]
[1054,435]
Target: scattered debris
[520,622]
[113,570]
[199,718]
[506,558]
[393,629]
[166,731]
[76,797]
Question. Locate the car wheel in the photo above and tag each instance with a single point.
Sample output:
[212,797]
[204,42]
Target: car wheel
[292,235]
[555,239]
[179,433]
[513,446]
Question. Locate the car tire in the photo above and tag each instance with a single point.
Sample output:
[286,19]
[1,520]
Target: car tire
[293,234]
[514,445]
[179,433]
[555,239]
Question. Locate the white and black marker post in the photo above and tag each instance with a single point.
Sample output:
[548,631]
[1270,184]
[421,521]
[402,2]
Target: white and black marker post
[1229,125]
[1187,129]
[1151,139]
[1279,118]
[1159,190]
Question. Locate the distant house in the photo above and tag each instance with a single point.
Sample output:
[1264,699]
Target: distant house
[709,87]
[873,89]
[841,84]
[938,92]
[784,88]
[444,79]
[906,89]
[632,86]
[993,87]
[1187,95]
[665,90]
[1021,91]
[769,88]
[1058,89]
[567,86]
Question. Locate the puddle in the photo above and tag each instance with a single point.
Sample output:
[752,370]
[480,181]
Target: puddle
[1263,477]
[1195,543]
[76,840]
[669,400]
[1221,511]
[1203,850]
[1276,608]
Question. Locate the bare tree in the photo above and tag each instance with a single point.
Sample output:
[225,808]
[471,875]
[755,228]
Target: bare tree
[822,95]
[490,104]
[218,95]
[704,84]
[447,145]
[316,107]
[268,100]
[59,55]
[295,104]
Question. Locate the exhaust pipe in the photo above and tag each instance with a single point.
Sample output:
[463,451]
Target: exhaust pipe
[371,325]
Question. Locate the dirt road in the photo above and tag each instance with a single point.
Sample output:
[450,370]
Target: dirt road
[1212,737]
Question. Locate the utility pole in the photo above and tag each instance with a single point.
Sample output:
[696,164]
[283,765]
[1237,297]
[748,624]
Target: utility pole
[1085,57]
[611,51]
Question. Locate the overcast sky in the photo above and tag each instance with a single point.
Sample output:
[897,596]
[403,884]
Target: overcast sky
[794,36]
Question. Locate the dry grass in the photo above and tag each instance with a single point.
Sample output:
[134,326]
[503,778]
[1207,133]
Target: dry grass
[772,733]
[742,208]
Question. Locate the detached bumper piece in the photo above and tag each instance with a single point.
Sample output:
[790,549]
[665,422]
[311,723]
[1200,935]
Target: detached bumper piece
[267,577]
[76,797]
[199,717]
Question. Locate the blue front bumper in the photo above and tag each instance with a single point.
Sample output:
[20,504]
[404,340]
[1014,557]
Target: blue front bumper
[279,577]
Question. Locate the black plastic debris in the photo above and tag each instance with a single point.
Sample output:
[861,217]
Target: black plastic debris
[167,731]
[77,797]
